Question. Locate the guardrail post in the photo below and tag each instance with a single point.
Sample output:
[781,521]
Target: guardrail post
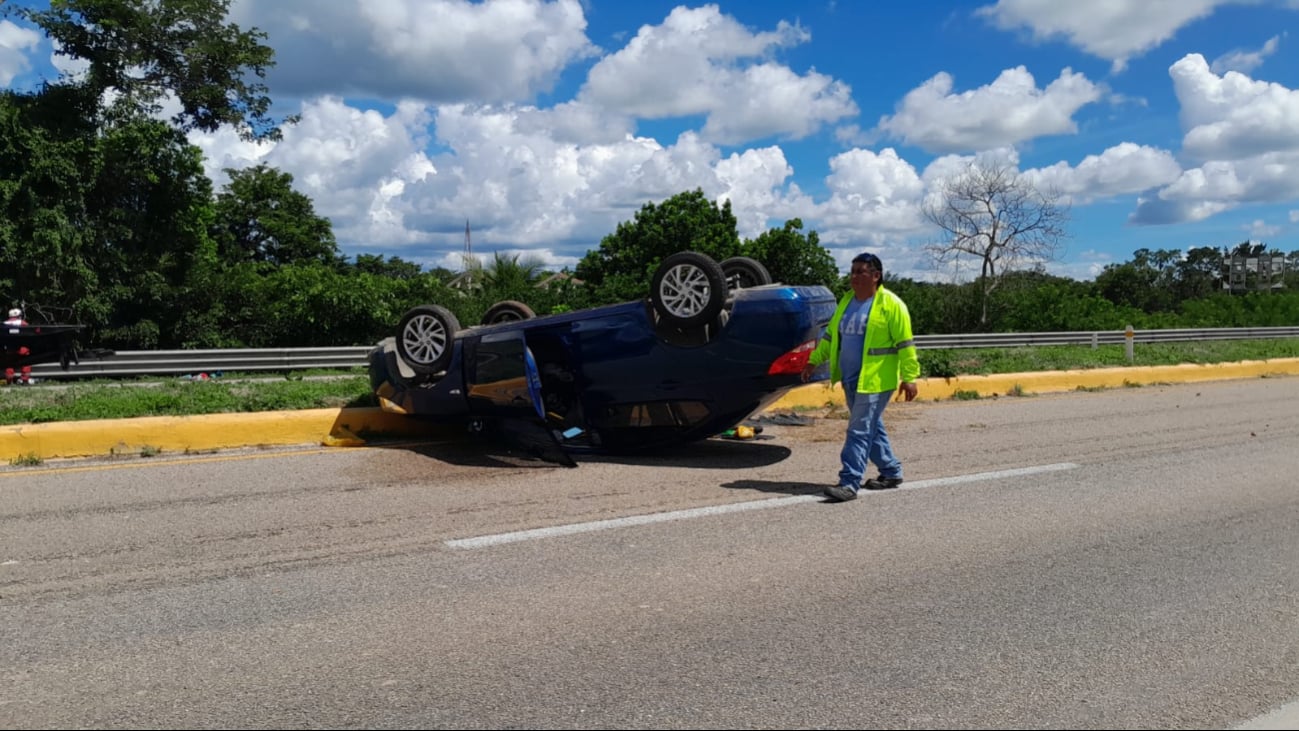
[1128,336]
[1096,340]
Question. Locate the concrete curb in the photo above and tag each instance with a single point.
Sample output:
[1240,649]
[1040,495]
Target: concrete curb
[196,434]
[1013,384]
[352,427]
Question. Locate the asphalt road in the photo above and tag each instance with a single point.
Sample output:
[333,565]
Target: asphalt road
[1120,559]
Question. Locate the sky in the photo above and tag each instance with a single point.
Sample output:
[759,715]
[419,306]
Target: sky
[1162,124]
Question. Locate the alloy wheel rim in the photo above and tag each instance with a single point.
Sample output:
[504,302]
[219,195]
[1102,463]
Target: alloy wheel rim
[684,290]
[425,339]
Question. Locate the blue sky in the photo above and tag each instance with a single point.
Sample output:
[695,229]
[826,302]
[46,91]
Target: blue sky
[1164,123]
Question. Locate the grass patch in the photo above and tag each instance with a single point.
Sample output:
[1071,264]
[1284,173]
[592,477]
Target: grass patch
[84,401]
[965,396]
[30,459]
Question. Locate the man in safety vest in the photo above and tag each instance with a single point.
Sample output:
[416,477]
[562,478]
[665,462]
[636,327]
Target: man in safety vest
[871,351]
[16,318]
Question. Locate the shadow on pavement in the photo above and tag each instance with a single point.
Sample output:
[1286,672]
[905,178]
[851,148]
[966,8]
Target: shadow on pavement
[773,487]
[468,450]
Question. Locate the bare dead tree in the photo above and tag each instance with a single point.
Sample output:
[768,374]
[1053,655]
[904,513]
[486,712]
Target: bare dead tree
[994,214]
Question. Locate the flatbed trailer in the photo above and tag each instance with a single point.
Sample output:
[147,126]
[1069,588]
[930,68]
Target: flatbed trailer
[28,345]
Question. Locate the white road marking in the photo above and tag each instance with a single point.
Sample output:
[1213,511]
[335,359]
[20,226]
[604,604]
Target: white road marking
[599,525]
[1285,717]
[980,476]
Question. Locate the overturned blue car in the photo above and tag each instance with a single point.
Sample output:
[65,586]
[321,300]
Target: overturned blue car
[712,344]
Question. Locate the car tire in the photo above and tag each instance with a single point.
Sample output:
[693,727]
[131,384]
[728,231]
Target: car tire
[688,290]
[425,336]
[741,272]
[507,311]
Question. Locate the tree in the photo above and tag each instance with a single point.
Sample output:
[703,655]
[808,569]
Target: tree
[793,258]
[992,213]
[623,265]
[1249,248]
[48,159]
[146,49]
[507,275]
[102,225]
[1034,301]
[151,205]
[1145,283]
[394,266]
[1292,270]
[261,218]
[104,209]
[1199,273]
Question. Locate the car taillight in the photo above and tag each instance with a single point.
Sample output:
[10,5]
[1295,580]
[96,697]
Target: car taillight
[793,361]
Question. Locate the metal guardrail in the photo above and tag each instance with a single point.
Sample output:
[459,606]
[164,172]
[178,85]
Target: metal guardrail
[179,362]
[1102,337]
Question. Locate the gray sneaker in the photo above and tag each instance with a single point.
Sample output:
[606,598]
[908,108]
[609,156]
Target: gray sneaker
[841,493]
[882,483]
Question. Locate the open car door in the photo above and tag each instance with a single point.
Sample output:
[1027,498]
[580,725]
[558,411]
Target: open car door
[503,389]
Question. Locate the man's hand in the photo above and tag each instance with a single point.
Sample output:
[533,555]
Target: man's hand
[807,371]
[908,391]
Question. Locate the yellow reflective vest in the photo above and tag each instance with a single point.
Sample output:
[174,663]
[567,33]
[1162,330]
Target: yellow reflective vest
[889,352]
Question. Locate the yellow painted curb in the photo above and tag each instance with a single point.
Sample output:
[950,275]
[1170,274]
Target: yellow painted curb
[352,427]
[187,434]
[818,395]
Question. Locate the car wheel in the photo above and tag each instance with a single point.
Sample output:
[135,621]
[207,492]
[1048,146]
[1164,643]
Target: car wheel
[424,338]
[741,272]
[688,290]
[507,311]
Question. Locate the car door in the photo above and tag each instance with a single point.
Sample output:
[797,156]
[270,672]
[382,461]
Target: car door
[503,390]
[501,377]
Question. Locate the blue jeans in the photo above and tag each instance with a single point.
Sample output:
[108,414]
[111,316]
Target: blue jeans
[866,438]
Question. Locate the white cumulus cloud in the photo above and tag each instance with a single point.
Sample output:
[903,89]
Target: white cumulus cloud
[1245,135]
[874,198]
[1233,116]
[1120,170]
[702,62]
[1115,30]
[1009,110]
[1245,61]
[1220,185]
[433,50]
[15,43]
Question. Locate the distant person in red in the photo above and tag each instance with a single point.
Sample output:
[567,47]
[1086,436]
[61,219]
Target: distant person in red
[16,318]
